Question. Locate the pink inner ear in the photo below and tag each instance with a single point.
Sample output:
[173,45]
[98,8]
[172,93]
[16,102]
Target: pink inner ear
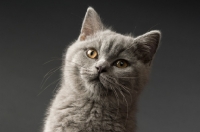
[82,37]
[91,24]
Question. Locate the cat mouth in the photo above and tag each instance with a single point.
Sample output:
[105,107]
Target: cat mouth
[100,79]
[94,78]
[97,78]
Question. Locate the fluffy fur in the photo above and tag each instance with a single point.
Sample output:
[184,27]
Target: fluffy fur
[92,101]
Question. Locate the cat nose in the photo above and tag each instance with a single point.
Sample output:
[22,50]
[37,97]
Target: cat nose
[100,69]
[101,66]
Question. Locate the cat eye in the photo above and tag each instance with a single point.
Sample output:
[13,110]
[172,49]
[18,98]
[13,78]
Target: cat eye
[121,63]
[92,53]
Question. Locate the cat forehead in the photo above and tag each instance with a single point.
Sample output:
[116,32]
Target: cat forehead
[107,39]
[112,36]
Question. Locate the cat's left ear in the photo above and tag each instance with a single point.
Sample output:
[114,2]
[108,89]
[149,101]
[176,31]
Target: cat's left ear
[91,24]
[146,45]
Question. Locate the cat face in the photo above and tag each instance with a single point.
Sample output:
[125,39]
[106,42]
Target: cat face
[102,60]
[106,61]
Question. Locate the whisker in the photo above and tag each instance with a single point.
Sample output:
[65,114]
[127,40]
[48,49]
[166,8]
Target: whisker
[87,74]
[117,98]
[48,86]
[53,59]
[76,64]
[153,27]
[49,74]
[124,99]
[56,86]
[105,94]
[52,71]
[124,87]
[87,70]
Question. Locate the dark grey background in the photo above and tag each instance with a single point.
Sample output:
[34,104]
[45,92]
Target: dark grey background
[34,32]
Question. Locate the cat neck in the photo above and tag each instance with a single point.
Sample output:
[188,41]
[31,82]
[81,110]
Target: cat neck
[96,113]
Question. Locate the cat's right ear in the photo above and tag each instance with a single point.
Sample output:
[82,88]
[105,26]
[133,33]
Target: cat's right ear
[146,45]
[91,24]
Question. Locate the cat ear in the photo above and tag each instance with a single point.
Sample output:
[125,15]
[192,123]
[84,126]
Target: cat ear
[91,24]
[146,45]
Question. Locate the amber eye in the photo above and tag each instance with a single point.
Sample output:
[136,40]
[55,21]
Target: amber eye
[92,53]
[121,63]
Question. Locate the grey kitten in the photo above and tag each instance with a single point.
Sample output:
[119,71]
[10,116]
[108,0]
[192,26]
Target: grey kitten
[103,75]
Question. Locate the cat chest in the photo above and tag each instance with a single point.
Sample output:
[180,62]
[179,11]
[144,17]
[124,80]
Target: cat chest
[91,118]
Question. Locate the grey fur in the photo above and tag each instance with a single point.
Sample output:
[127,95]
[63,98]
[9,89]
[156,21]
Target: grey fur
[90,102]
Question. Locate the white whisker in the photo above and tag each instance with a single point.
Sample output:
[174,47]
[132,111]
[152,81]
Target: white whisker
[48,86]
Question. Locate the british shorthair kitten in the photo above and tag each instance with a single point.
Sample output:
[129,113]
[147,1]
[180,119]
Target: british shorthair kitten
[103,74]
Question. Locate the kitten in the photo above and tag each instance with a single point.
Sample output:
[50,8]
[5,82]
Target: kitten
[103,75]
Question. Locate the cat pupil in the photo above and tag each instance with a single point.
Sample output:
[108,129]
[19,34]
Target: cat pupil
[121,63]
[91,53]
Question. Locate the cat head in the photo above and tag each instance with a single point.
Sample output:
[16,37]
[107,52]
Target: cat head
[103,61]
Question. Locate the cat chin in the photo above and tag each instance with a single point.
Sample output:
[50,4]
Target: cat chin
[95,84]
